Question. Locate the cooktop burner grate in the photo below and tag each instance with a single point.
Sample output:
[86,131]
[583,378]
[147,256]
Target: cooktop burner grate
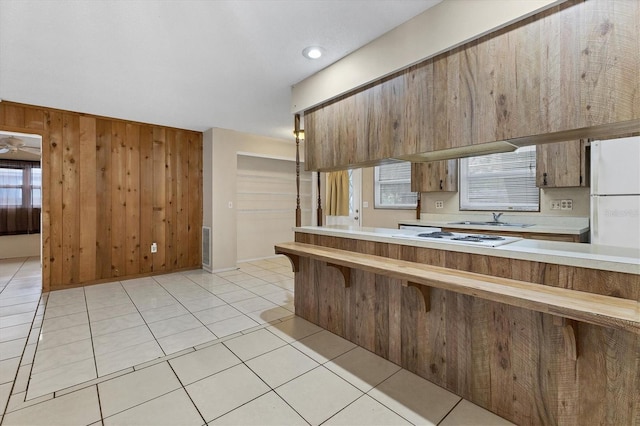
[436,234]
[478,238]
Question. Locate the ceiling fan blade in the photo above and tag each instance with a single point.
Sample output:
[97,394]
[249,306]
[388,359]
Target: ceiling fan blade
[30,150]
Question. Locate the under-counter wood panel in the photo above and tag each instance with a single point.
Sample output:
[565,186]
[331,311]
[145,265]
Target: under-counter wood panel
[110,189]
[571,67]
[507,359]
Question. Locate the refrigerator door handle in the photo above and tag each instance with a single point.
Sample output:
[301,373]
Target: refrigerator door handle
[594,222]
[595,166]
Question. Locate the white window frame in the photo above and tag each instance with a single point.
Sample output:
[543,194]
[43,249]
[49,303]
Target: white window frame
[507,205]
[378,203]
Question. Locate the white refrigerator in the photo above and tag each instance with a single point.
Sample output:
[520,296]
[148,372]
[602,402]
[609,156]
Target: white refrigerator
[615,192]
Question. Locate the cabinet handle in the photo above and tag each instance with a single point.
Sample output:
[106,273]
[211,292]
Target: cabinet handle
[440,184]
[544,179]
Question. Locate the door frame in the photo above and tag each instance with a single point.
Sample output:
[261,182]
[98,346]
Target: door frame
[44,217]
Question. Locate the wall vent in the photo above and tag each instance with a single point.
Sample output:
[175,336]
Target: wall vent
[206,248]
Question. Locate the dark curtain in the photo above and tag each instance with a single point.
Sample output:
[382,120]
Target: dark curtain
[20,197]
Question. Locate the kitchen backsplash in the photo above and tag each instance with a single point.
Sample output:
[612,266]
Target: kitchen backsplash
[579,197]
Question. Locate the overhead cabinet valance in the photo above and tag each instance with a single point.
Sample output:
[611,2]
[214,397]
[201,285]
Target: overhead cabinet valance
[571,67]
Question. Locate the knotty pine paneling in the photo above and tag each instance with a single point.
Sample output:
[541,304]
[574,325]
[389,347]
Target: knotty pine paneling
[111,188]
[103,198]
[506,359]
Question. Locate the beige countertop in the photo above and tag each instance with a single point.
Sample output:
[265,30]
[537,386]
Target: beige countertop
[617,259]
[541,224]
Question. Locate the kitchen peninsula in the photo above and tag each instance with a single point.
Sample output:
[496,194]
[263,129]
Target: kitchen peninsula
[528,366]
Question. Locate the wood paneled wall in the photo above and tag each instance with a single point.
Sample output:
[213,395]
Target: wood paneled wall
[110,189]
[509,360]
[573,66]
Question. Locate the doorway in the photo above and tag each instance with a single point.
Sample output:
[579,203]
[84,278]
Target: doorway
[20,194]
[266,202]
[355,202]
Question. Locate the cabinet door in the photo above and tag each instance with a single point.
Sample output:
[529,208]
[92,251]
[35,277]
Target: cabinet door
[561,164]
[434,176]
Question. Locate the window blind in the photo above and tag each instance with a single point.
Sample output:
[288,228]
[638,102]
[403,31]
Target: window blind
[393,186]
[505,181]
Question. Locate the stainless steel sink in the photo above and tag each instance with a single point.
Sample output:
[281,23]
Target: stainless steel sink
[491,223]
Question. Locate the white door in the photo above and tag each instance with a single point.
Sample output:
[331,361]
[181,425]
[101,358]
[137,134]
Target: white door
[355,203]
[266,203]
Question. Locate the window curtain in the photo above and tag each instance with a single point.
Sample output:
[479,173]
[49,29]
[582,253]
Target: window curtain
[338,193]
[20,205]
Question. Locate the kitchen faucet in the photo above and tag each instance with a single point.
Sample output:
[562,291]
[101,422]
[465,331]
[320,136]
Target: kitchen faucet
[496,217]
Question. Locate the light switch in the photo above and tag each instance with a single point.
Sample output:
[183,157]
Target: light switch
[230,204]
[365,204]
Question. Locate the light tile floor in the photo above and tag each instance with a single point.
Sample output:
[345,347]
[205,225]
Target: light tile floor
[195,348]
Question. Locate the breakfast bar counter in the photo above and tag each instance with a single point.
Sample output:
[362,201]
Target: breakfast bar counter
[499,326]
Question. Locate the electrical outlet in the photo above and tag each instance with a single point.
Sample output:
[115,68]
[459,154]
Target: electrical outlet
[439,204]
[154,248]
[566,204]
[555,204]
[230,204]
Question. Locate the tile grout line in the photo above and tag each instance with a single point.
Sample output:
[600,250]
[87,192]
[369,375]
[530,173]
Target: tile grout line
[185,391]
[15,273]
[93,348]
[13,384]
[165,358]
[158,360]
[32,361]
[450,411]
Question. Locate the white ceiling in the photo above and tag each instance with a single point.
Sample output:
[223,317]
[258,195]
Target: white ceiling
[189,64]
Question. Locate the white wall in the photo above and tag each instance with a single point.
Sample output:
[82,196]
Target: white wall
[20,246]
[220,153]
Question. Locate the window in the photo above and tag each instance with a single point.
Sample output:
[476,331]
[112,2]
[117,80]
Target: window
[393,186]
[504,181]
[20,197]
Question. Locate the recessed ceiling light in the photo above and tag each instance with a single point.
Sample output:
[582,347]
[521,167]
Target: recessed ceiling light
[312,52]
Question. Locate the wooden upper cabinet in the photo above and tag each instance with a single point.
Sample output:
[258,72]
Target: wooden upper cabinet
[562,164]
[434,176]
[573,66]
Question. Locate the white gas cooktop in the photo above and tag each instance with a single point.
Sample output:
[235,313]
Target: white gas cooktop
[458,238]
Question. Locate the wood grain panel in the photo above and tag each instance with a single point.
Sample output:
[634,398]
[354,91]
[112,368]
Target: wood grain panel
[195,203]
[45,229]
[70,199]
[100,179]
[103,199]
[566,69]
[146,198]
[88,191]
[182,200]
[506,359]
[13,115]
[434,176]
[170,198]
[53,130]
[159,198]
[118,198]
[34,118]
[419,108]
[606,45]
[132,199]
